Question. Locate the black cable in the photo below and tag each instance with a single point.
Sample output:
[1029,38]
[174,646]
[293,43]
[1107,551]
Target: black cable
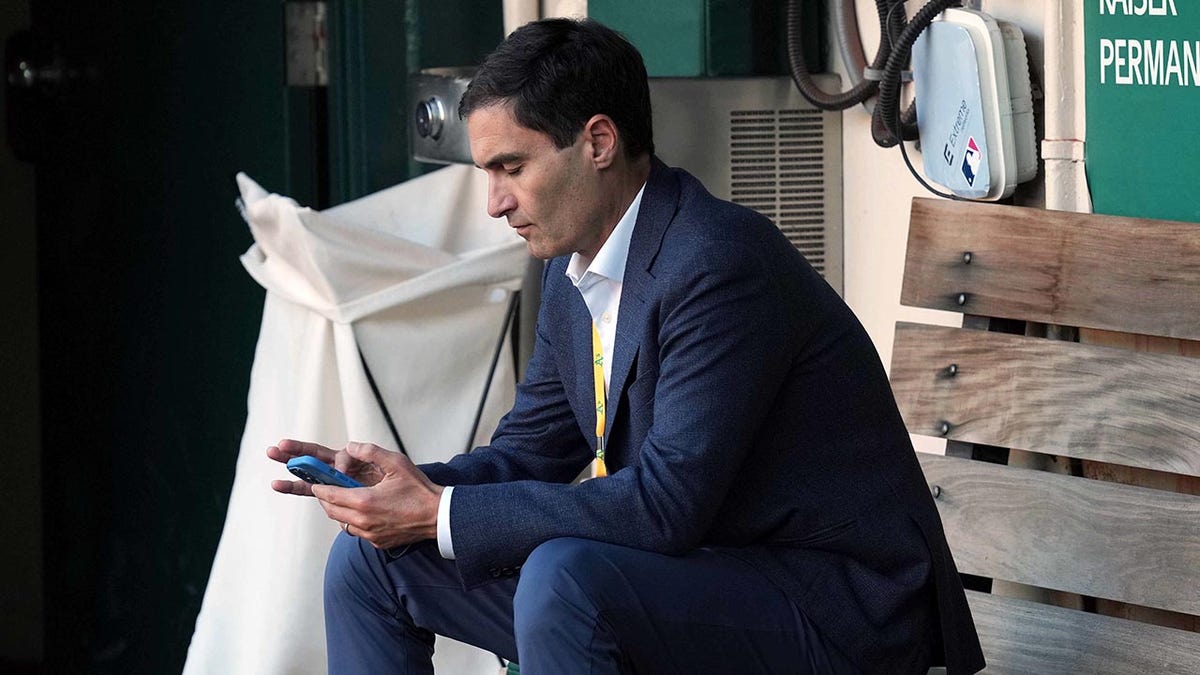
[895,23]
[884,134]
[387,416]
[913,171]
[899,121]
[487,386]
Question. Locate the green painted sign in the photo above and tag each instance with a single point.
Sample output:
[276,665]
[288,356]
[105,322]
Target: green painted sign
[1143,107]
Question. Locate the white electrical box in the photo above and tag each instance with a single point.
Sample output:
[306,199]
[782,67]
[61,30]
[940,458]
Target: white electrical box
[974,105]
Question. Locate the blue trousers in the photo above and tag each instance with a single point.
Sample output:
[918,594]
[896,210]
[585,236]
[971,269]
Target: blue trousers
[578,606]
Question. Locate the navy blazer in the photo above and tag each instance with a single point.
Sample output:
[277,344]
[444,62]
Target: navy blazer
[748,410]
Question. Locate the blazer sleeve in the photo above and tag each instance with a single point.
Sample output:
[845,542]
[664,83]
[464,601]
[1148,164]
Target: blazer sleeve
[723,353]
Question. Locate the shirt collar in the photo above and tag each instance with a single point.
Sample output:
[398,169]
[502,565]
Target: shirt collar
[610,260]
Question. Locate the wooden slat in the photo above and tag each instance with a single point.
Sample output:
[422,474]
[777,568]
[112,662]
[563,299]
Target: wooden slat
[1142,477]
[1087,401]
[1124,274]
[1071,534]
[1025,637]
[1141,343]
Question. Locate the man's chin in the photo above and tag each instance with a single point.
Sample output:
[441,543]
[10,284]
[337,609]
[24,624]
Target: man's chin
[539,246]
[538,252]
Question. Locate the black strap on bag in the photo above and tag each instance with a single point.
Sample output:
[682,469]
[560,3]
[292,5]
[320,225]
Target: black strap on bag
[387,416]
[513,304]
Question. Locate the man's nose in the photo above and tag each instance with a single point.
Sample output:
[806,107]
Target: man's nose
[500,200]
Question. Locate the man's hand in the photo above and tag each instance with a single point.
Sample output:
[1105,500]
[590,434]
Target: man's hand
[365,473]
[399,505]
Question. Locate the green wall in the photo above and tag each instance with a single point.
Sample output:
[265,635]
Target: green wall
[713,38]
[375,44]
[1142,105]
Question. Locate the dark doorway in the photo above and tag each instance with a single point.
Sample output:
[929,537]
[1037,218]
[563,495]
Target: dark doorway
[130,323]
[134,116]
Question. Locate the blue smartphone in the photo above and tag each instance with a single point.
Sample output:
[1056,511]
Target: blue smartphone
[312,470]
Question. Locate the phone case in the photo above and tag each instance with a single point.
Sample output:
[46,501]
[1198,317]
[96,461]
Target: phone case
[313,470]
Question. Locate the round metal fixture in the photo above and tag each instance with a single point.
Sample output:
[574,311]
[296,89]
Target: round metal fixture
[431,117]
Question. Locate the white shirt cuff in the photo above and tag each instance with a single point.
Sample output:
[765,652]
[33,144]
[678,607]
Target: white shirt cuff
[445,543]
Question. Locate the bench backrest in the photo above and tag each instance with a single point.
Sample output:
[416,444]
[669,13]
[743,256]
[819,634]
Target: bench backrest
[1079,344]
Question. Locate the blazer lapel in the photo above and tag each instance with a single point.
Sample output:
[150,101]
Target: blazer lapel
[580,350]
[659,204]
[630,320]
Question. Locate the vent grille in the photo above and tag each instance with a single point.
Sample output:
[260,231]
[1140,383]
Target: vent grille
[778,169]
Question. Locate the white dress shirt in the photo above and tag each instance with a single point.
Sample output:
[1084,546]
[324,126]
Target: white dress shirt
[599,282]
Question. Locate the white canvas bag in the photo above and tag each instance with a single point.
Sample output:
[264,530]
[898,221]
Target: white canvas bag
[420,279]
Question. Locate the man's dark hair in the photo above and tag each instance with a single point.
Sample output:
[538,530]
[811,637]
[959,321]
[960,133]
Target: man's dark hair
[557,73]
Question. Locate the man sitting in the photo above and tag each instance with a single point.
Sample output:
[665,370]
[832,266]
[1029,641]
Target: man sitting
[763,509]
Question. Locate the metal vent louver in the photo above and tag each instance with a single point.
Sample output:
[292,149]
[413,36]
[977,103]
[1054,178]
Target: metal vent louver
[755,141]
[777,167]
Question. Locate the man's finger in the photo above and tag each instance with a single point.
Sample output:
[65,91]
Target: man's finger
[340,496]
[292,487]
[342,514]
[289,448]
[373,454]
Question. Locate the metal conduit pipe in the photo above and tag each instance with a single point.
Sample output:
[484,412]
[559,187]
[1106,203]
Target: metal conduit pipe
[849,42]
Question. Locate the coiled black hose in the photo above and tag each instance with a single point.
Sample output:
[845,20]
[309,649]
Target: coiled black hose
[889,23]
[887,114]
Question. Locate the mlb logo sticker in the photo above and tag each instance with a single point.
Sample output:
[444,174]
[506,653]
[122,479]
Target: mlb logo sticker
[971,161]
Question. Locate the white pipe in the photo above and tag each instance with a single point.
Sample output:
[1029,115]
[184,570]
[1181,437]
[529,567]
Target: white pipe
[1066,114]
[517,13]
[575,9]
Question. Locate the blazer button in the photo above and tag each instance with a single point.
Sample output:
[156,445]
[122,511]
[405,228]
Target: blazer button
[495,573]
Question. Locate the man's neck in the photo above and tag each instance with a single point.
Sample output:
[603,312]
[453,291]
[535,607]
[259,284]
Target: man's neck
[627,179]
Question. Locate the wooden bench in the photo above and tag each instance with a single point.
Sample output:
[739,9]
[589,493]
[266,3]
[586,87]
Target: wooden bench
[1071,404]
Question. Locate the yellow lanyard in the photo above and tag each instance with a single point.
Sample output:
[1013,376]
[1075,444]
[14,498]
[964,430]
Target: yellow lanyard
[601,398]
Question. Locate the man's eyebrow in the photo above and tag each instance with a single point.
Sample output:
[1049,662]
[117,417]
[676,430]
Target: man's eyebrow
[502,159]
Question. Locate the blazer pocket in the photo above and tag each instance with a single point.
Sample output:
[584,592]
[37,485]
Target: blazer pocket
[640,393]
[820,536]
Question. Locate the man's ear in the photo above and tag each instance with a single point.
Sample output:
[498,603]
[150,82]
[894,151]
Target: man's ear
[603,140]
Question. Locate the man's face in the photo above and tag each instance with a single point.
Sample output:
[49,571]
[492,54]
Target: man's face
[551,197]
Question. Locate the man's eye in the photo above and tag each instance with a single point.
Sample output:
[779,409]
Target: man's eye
[513,171]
